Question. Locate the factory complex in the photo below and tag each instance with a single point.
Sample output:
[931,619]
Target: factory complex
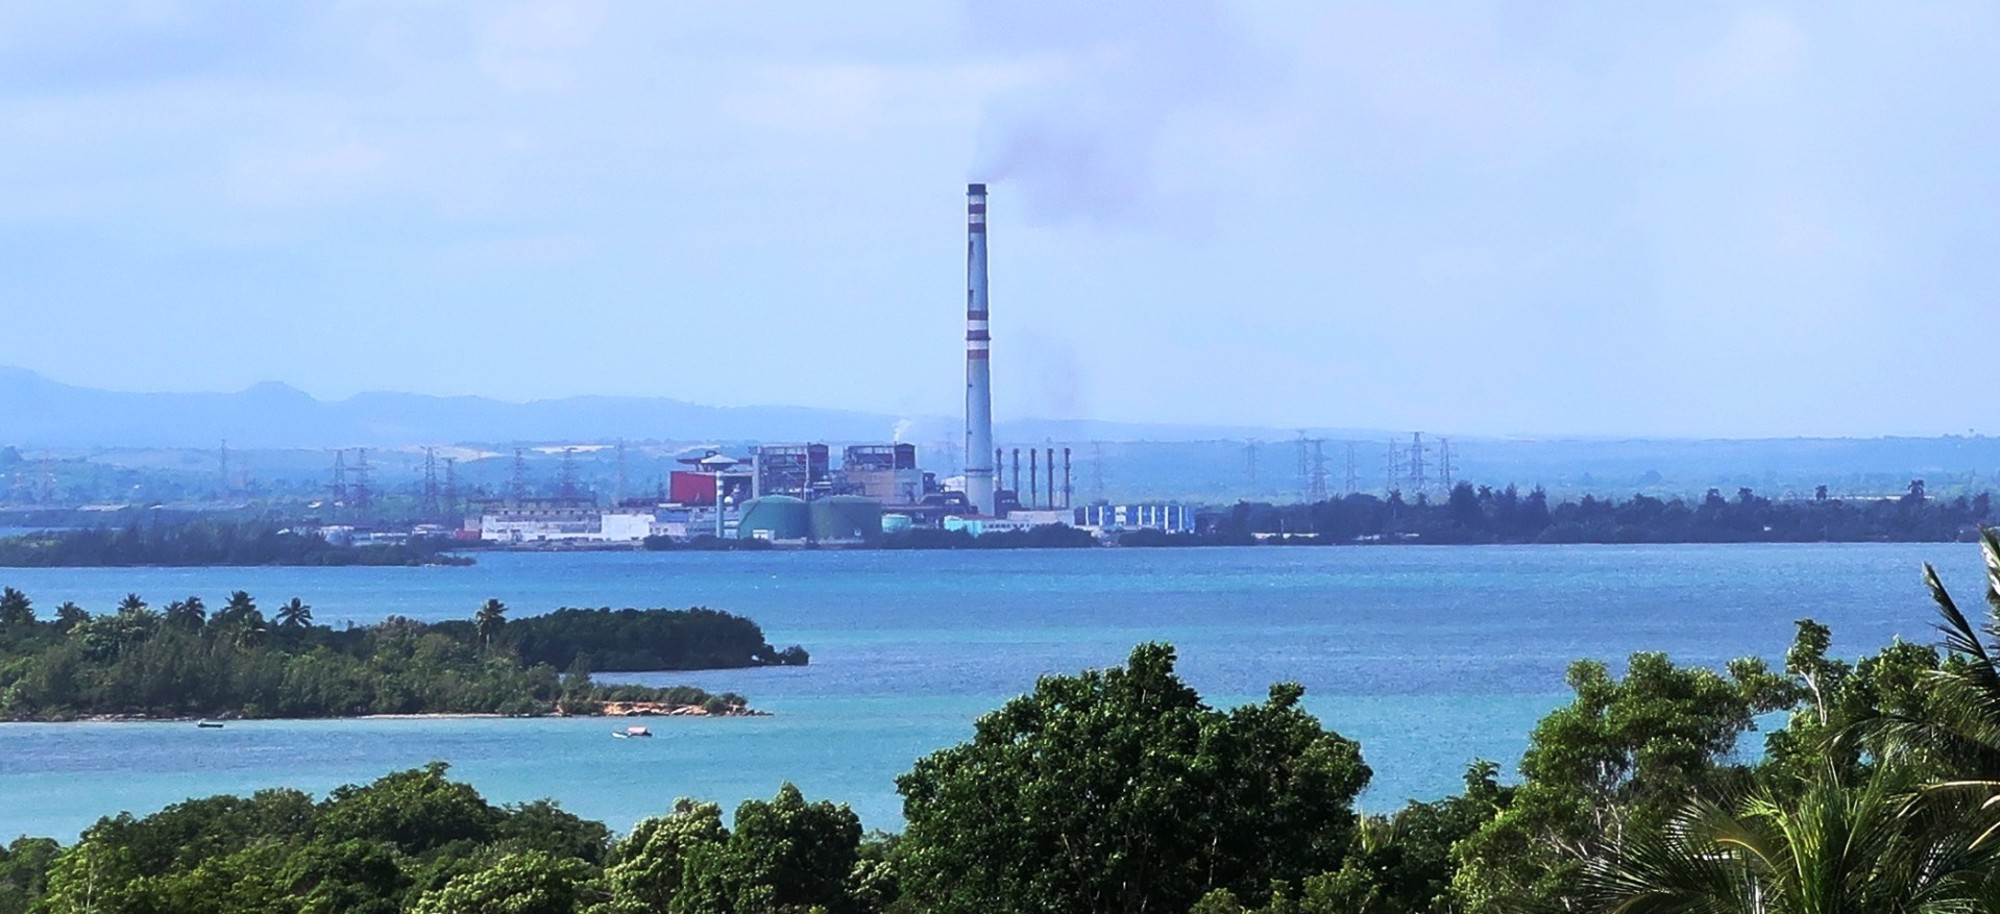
[795,494]
[798,494]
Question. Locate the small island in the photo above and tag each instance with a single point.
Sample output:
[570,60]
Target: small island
[183,661]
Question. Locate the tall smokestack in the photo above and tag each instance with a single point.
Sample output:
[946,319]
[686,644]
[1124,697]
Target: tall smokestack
[978,348]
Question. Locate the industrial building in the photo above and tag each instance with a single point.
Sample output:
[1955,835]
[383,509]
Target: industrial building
[558,520]
[1105,518]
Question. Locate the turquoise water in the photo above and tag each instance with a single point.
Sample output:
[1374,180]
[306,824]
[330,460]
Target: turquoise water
[1432,657]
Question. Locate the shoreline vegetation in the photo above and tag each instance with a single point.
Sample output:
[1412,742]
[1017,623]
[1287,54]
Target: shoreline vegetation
[184,662]
[1121,789]
[1467,515]
[209,543]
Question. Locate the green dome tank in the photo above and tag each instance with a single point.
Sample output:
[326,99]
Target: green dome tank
[897,523]
[774,517]
[845,517]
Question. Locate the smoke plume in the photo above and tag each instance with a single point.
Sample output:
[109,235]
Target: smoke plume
[1093,137]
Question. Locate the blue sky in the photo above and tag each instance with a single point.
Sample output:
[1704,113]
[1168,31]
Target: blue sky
[1532,218]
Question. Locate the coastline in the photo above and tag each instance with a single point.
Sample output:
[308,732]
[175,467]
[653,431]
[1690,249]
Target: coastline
[618,709]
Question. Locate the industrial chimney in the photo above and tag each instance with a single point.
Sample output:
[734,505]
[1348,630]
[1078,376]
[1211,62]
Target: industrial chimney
[978,372]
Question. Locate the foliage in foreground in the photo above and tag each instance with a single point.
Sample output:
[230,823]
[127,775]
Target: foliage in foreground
[416,841]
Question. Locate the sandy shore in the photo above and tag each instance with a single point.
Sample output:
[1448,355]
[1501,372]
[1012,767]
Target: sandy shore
[610,709]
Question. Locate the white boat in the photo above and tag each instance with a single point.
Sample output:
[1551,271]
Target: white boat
[632,732]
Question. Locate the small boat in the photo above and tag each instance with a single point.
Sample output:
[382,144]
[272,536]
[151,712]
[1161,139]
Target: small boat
[208,724]
[633,732]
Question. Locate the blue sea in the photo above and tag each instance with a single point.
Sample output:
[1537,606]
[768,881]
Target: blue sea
[1431,656]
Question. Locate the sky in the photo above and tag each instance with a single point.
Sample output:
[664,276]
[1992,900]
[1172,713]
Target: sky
[1534,218]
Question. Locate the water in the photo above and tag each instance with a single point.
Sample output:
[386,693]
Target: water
[1431,656]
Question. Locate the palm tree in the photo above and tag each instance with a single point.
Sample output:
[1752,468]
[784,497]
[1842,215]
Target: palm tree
[239,608]
[69,615]
[489,619]
[16,608]
[188,614]
[294,615]
[1957,730]
[131,605]
[251,631]
[1834,848]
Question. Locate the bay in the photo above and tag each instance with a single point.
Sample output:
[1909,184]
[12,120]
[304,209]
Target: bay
[1431,656]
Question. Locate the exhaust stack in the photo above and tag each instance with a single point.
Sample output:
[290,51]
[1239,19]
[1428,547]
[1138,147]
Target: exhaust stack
[978,347]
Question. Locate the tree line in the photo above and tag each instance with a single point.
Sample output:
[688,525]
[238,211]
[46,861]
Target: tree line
[208,543]
[1482,514]
[182,660]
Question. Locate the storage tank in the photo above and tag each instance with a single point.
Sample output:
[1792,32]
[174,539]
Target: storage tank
[774,517]
[845,517]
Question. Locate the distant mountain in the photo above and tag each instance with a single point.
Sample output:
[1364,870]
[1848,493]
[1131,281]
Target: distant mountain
[38,412]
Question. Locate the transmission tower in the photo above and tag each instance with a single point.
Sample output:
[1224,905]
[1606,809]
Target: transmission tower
[222,464]
[1392,467]
[1097,469]
[1353,481]
[1418,481]
[1316,476]
[432,510]
[517,484]
[618,481]
[364,493]
[1445,469]
[46,487]
[338,490]
[451,486]
[1305,466]
[1250,463]
[566,479]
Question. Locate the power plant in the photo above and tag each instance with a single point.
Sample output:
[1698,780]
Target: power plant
[795,492]
[979,487]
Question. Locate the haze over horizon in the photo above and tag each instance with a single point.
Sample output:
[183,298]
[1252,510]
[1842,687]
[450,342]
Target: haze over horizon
[1489,218]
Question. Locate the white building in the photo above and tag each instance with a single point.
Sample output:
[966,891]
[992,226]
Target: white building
[578,526]
[1114,518]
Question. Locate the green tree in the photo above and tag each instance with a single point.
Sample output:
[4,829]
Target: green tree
[1841,705]
[1119,790]
[652,860]
[90,877]
[24,872]
[783,855]
[1958,731]
[1620,760]
[69,616]
[416,810]
[189,614]
[294,615]
[238,610]
[529,883]
[489,620]
[15,609]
